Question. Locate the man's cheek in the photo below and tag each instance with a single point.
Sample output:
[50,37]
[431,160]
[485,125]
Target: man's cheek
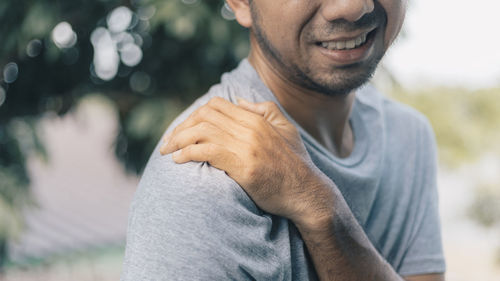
[395,10]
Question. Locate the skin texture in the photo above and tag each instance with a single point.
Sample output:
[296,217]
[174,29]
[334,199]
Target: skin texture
[257,146]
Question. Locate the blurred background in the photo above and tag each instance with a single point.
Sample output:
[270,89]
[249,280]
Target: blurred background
[88,87]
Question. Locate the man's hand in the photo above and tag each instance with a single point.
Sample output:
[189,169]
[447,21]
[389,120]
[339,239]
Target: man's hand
[260,149]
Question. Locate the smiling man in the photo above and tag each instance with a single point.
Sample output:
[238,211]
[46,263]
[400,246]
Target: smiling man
[292,168]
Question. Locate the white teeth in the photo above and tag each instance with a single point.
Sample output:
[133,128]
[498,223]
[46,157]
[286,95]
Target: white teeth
[342,45]
[350,44]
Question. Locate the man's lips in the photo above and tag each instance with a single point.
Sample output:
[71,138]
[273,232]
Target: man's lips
[346,41]
[350,51]
[348,36]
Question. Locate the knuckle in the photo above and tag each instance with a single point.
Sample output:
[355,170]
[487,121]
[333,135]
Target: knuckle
[204,126]
[270,105]
[214,101]
[196,115]
[203,111]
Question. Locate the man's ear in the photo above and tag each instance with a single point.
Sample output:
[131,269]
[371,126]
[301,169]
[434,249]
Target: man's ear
[241,10]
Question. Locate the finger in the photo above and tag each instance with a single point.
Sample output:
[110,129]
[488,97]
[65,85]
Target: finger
[210,115]
[166,137]
[199,133]
[269,110]
[240,115]
[216,155]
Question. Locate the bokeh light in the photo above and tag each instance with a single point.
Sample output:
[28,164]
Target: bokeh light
[227,13]
[146,13]
[131,54]
[10,72]
[139,41]
[63,35]
[121,40]
[34,48]
[140,81]
[119,19]
[106,57]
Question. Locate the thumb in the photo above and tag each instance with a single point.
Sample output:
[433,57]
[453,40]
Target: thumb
[269,110]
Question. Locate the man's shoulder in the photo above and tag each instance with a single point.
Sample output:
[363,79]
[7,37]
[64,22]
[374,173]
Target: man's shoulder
[397,109]
[407,122]
[393,112]
[228,89]
[402,125]
[194,185]
[162,176]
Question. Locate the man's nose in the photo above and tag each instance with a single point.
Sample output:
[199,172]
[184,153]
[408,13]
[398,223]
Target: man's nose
[350,10]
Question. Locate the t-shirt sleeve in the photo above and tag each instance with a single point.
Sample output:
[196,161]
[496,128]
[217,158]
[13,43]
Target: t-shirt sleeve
[192,222]
[424,254]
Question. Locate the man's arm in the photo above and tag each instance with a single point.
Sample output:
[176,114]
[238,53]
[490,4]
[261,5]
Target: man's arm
[340,248]
[257,147]
[192,222]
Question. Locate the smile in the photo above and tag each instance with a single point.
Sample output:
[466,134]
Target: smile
[343,51]
[345,44]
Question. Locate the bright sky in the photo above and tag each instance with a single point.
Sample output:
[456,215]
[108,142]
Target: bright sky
[449,42]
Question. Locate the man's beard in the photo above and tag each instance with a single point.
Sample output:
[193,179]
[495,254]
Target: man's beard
[345,80]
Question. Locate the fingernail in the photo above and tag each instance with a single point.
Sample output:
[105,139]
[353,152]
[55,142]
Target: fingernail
[163,149]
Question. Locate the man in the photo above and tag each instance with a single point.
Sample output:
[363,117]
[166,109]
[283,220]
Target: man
[289,169]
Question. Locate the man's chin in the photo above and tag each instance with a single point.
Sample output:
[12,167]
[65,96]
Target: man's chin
[342,80]
[339,89]
[336,86]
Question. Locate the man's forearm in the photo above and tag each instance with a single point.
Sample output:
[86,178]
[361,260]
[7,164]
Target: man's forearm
[339,246]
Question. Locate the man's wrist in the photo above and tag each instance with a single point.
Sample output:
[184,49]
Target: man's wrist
[317,210]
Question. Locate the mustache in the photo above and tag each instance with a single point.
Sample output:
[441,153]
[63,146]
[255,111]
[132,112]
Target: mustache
[376,18]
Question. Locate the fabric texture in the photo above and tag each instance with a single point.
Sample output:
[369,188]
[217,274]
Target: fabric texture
[192,222]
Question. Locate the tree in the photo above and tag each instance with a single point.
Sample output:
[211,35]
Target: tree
[149,57]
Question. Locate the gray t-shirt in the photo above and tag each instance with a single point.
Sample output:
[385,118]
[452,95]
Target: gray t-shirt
[192,222]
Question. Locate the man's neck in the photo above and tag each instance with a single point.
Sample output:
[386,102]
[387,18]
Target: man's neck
[325,118]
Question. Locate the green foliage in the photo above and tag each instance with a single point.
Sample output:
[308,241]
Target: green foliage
[11,198]
[485,208]
[467,127]
[145,125]
[185,48]
[465,122]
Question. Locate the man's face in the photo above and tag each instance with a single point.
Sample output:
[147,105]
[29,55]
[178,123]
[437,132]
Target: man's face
[331,47]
